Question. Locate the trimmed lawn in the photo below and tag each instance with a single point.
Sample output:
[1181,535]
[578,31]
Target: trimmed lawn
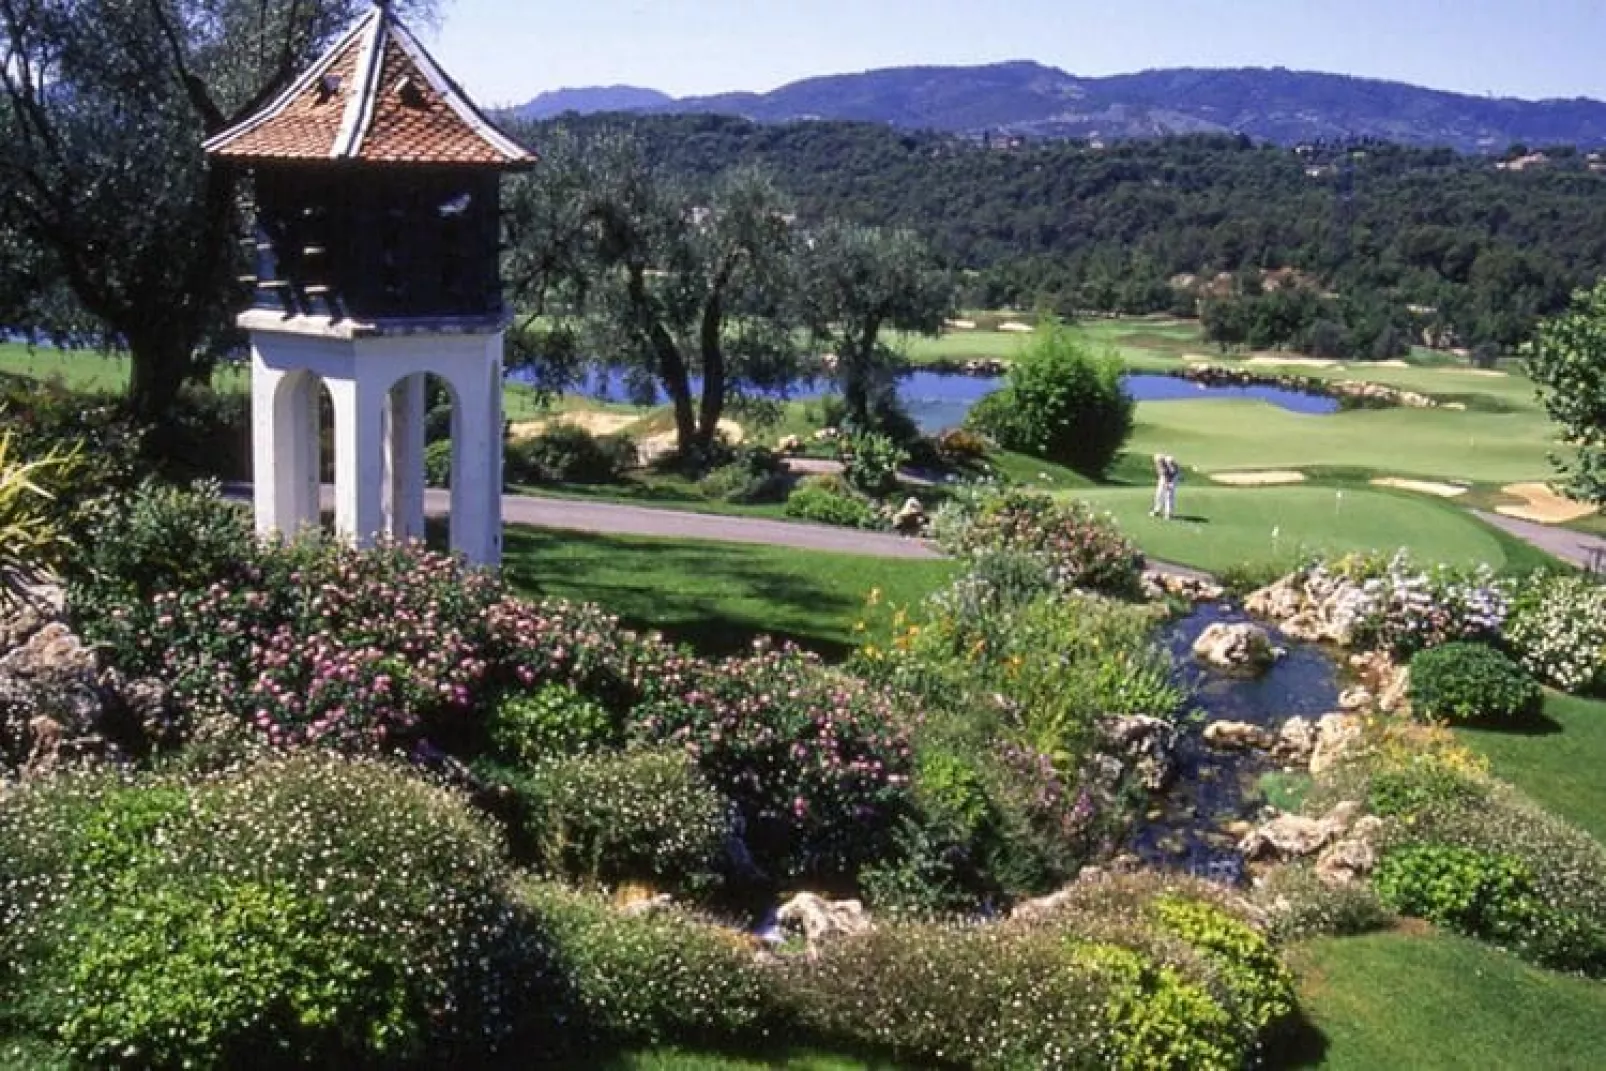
[1221,527]
[92,372]
[1429,1000]
[718,597]
[1224,435]
[1559,763]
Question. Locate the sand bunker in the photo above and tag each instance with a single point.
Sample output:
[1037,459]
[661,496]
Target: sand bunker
[1298,362]
[655,445]
[1268,478]
[1542,505]
[1017,328]
[1421,487]
[1492,373]
[1393,362]
[595,423]
[960,325]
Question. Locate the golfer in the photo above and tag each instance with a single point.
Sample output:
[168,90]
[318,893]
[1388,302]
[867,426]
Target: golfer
[1166,474]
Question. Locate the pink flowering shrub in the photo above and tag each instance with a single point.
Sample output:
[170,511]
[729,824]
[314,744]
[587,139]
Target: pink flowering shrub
[1076,547]
[814,760]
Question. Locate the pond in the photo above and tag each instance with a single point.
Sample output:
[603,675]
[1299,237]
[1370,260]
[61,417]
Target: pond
[938,400]
[1213,788]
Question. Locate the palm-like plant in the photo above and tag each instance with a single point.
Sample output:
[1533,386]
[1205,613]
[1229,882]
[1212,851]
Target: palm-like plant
[31,539]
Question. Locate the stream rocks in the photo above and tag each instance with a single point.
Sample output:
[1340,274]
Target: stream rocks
[59,704]
[1158,584]
[1319,745]
[1145,745]
[1311,607]
[1341,841]
[1239,646]
[820,921]
[1238,736]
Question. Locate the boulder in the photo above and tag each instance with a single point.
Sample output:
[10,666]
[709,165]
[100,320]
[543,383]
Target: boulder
[1194,589]
[1238,736]
[1278,601]
[1146,745]
[1337,736]
[820,920]
[910,518]
[34,607]
[1356,698]
[1295,836]
[790,444]
[1295,741]
[1351,859]
[51,653]
[1241,646]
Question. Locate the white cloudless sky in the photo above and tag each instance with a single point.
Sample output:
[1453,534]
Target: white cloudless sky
[507,51]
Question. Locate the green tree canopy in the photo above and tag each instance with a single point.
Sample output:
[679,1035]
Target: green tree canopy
[857,282]
[1568,361]
[670,279]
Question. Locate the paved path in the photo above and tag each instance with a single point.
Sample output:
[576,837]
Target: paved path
[1579,548]
[614,518]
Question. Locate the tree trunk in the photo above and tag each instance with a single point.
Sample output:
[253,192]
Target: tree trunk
[713,401]
[158,367]
[671,365]
[856,371]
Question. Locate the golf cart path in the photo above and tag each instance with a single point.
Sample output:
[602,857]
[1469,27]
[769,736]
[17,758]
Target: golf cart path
[1579,548]
[614,518]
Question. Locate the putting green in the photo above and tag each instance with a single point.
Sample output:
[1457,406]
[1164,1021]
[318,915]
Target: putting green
[1436,444]
[1220,527]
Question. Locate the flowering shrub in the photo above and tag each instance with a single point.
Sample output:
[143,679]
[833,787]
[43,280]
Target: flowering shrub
[871,462]
[828,500]
[1075,547]
[639,815]
[1558,631]
[1404,608]
[813,759]
[655,978]
[316,642]
[1501,867]
[1469,682]
[1136,975]
[1480,894]
[309,910]
[548,723]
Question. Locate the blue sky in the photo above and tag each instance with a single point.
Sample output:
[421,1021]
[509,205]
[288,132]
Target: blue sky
[506,51]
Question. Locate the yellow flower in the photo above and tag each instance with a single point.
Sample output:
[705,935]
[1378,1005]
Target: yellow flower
[874,598]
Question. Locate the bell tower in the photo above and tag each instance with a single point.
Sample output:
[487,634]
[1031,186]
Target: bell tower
[377,211]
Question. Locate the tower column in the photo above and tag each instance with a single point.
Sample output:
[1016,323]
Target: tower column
[284,446]
[477,456]
[404,458]
[359,460]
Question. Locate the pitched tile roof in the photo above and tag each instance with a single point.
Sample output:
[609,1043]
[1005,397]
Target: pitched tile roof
[375,97]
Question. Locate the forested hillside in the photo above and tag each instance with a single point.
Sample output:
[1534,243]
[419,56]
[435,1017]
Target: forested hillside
[1385,243]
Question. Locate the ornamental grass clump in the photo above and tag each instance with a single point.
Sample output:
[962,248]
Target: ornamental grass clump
[311,910]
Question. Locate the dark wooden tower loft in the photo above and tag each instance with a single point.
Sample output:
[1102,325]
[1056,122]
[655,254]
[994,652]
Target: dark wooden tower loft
[376,186]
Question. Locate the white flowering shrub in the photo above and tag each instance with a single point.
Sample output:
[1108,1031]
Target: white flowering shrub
[1558,632]
[1404,607]
[306,911]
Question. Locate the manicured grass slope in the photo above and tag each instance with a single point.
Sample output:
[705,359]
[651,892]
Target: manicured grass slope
[717,596]
[1219,527]
[1561,764]
[1431,1000]
[1220,435]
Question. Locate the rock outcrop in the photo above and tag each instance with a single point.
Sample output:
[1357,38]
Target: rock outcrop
[1158,585]
[1294,836]
[1240,646]
[910,519]
[1238,736]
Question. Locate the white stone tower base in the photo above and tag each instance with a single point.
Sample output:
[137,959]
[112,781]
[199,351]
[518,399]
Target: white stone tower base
[375,379]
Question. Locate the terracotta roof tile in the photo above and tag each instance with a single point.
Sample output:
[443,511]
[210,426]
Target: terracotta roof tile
[375,97]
